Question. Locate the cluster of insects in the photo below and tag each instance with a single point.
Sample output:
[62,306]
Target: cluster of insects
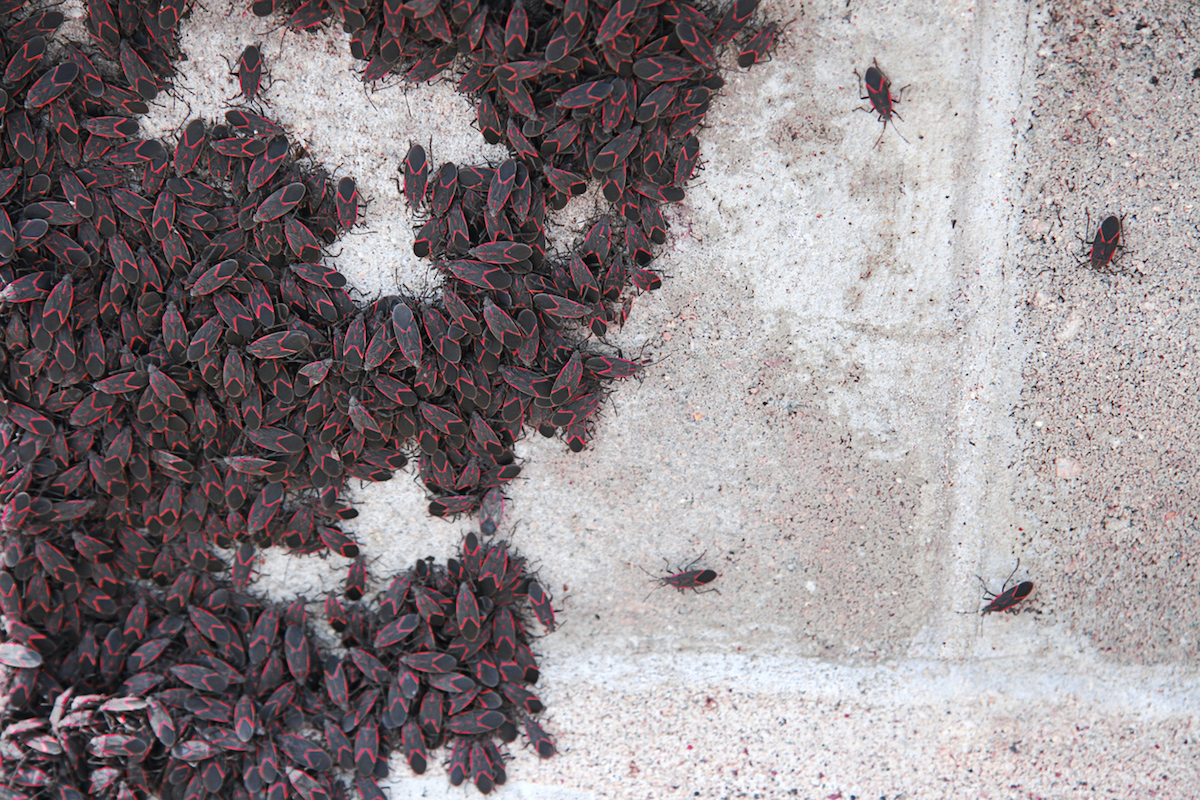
[180,374]
[576,92]
[520,52]
[202,690]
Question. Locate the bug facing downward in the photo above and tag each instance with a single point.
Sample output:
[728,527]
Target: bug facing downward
[879,93]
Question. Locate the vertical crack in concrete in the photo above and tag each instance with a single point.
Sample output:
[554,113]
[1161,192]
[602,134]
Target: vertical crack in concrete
[982,520]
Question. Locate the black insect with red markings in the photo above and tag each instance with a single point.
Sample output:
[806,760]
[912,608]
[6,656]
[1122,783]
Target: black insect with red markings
[879,93]
[759,46]
[1103,248]
[356,580]
[687,578]
[1008,597]
[250,71]
[416,175]
[347,203]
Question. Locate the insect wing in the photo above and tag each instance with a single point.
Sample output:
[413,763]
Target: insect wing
[245,719]
[250,67]
[339,745]
[485,276]
[198,677]
[500,189]
[758,46]
[161,722]
[304,752]
[459,767]
[537,737]
[366,748]
[19,656]
[263,636]
[734,20]
[299,660]
[140,76]
[1009,598]
[368,789]
[618,17]
[51,85]
[467,611]
[475,722]
[416,175]
[696,44]
[396,631]
[347,203]
[280,202]
[541,604]
[430,662]
[502,252]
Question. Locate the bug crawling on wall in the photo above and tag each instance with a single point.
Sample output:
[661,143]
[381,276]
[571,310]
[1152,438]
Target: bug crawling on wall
[1103,248]
[879,92]
[687,578]
[1008,598]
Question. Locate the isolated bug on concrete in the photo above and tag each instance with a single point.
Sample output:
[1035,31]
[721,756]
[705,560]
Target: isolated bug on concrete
[879,92]
[1105,245]
[758,46]
[416,175]
[250,71]
[687,578]
[1007,597]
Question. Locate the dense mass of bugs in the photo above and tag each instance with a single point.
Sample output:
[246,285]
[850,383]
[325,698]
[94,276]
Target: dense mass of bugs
[577,92]
[180,374]
[203,690]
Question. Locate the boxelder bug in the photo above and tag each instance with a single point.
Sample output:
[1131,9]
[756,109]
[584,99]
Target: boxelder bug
[1106,243]
[757,47]
[1007,597]
[687,578]
[879,92]
[250,71]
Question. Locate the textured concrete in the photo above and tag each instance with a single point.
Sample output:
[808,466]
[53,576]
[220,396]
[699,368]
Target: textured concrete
[876,373]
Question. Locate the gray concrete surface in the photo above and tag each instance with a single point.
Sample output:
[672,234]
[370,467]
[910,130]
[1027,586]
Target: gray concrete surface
[877,372]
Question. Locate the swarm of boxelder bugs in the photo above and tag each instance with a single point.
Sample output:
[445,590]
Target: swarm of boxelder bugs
[180,373]
[575,95]
[224,690]
[443,656]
